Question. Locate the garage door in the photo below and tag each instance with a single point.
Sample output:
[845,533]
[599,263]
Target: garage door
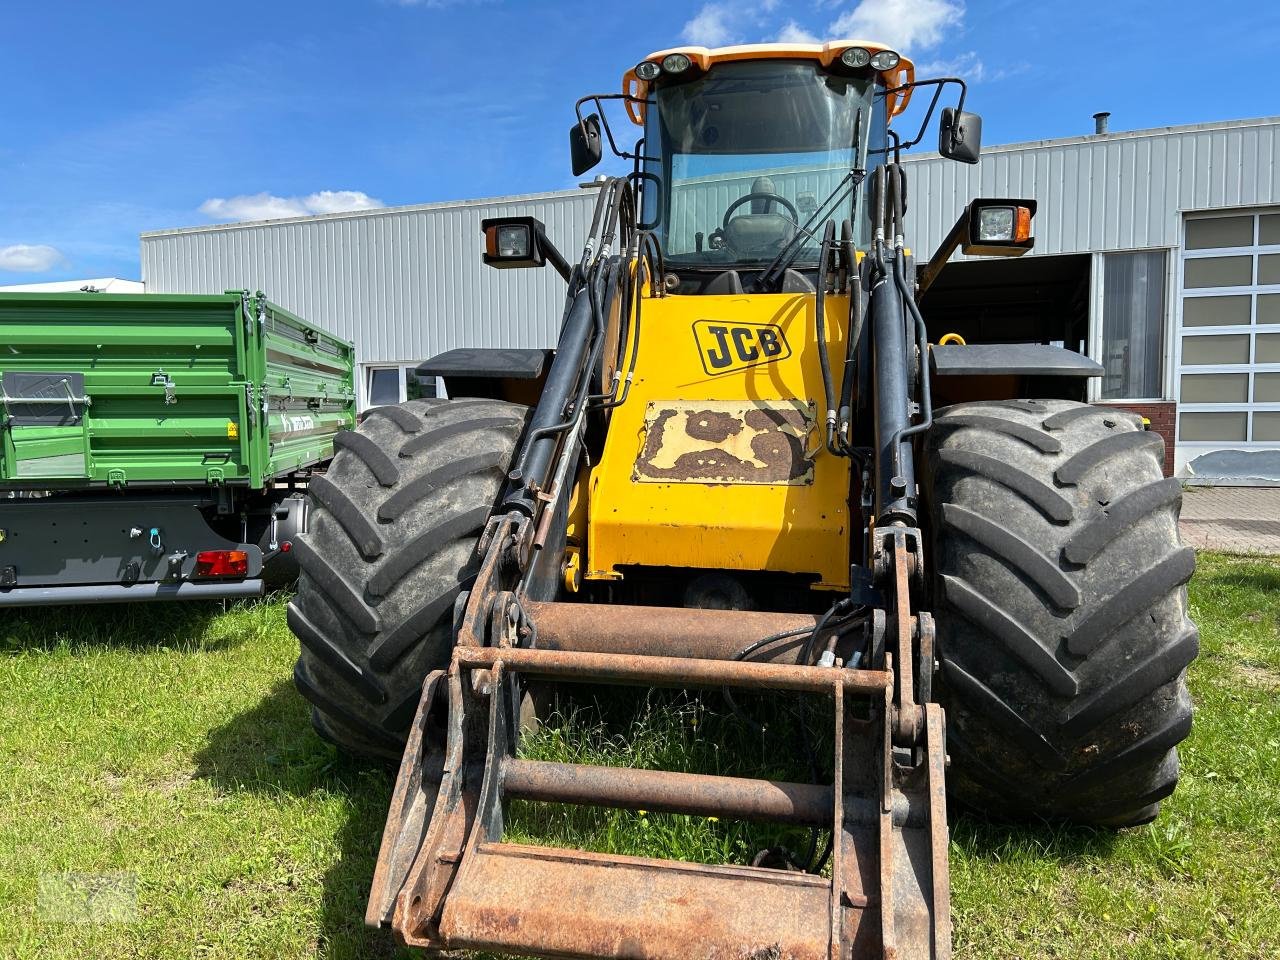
[1229,348]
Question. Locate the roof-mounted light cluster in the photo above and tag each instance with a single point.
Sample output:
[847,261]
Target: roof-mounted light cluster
[649,70]
[676,63]
[857,57]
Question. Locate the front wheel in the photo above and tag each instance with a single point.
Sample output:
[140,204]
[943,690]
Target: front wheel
[390,544]
[1059,591]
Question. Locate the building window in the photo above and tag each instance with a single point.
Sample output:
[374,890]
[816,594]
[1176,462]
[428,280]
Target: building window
[1133,325]
[385,385]
[395,383]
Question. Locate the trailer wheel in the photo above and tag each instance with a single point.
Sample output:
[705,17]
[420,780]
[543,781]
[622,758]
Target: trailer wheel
[390,544]
[1059,590]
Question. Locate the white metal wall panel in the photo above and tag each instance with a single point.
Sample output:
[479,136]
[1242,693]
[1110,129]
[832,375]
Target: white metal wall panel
[1112,192]
[403,283]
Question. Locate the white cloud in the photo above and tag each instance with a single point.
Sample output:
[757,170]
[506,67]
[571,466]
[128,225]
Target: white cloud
[30,257]
[266,206]
[967,66]
[712,26]
[902,24]
[907,25]
[340,201]
[792,32]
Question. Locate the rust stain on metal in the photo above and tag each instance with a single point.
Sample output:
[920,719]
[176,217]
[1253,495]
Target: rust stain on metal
[729,442]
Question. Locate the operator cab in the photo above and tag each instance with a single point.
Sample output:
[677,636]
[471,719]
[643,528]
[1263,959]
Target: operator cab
[749,154]
[744,161]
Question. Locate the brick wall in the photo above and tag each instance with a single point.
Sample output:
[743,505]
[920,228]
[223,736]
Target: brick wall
[1163,417]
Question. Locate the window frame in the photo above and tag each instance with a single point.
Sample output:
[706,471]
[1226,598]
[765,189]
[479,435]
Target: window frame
[1251,367]
[1097,303]
[405,368]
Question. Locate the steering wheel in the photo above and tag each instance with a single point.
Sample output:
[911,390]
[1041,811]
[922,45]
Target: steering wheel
[775,197]
[717,235]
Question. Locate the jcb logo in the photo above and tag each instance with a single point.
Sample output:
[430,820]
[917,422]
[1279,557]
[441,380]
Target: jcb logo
[728,347]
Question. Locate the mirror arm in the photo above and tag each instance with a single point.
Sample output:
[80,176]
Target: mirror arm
[955,236]
[897,145]
[552,255]
[597,99]
[938,83]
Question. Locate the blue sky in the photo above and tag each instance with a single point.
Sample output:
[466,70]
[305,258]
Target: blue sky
[121,117]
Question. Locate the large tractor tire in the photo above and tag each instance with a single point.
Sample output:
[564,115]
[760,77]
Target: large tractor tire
[391,543]
[1059,592]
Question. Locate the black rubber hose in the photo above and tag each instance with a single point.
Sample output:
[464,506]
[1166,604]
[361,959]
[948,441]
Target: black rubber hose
[922,345]
[820,321]
[646,239]
[857,318]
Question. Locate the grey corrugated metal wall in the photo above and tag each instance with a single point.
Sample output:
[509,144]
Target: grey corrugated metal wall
[1112,192]
[407,282]
[403,283]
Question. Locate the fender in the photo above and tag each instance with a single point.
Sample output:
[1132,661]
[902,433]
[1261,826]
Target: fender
[1011,359]
[1004,371]
[515,375]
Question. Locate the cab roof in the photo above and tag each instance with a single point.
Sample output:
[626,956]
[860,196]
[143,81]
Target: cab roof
[825,53]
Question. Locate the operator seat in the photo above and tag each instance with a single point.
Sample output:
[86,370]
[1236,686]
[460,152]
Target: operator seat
[764,230]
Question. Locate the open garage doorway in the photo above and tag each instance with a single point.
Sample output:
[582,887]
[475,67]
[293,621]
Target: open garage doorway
[1025,300]
[1035,299]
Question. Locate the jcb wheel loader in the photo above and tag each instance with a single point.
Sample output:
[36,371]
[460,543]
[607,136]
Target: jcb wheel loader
[736,470]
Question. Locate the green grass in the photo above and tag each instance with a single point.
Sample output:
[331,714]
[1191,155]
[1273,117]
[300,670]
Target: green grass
[166,742]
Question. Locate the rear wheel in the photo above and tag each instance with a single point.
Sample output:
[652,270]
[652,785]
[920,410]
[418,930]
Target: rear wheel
[391,543]
[1060,597]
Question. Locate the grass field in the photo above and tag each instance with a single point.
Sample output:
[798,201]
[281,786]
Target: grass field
[163,749]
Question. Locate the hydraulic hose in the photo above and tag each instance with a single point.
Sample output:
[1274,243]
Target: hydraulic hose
[577,350]
[820,322]
[922,346]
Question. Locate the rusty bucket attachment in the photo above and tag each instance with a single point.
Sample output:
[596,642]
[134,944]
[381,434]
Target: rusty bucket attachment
[445,880]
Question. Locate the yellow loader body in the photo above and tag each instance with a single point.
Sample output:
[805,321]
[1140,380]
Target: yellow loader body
[727,394]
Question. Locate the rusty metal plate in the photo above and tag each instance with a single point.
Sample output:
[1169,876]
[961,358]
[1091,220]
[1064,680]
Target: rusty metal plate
[515,898]
[728,442]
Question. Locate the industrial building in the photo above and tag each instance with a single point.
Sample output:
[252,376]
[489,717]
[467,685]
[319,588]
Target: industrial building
[1157,253]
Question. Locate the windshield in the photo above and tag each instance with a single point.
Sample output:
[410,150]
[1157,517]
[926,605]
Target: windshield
[741,157]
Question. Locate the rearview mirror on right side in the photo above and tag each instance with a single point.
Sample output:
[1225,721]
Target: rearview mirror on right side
[960,135]
[584,144]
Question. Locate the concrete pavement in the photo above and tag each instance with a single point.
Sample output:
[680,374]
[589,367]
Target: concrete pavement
[1232,519]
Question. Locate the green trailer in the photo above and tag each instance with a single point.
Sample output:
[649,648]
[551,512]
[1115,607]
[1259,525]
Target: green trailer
[157,446]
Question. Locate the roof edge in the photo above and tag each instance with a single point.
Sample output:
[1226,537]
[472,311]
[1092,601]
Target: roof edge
[1148,132]
[369,212]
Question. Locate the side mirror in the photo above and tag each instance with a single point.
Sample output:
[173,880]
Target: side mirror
[999,228]
[513,242]
[584,144]
[960,135]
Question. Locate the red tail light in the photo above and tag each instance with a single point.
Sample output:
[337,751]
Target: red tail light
[221,563]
